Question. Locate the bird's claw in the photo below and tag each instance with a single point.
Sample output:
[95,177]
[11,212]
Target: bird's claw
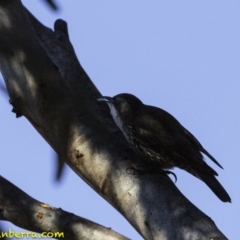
[136,172]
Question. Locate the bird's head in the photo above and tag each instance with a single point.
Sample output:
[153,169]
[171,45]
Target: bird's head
[123,106]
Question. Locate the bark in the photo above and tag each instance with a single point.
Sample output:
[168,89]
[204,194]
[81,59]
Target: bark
[49,87]
[26,212]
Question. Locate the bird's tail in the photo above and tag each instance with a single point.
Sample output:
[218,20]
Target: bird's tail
[214,185]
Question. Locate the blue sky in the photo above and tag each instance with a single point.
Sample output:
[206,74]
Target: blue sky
[182,56]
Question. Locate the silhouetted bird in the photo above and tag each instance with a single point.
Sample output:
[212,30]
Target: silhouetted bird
[157,137]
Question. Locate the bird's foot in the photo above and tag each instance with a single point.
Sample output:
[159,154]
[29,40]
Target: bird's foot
[136,172]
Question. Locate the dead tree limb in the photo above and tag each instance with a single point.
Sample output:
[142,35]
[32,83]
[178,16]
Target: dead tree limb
[26,212]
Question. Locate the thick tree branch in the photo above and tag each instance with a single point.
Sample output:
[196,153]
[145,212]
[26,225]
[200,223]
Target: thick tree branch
[47,84]
[26,212]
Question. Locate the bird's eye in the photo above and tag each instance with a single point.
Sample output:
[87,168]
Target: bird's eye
[116,100]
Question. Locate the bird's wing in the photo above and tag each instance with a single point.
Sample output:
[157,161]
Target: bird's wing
[200,147]
[158,126]
[163,134]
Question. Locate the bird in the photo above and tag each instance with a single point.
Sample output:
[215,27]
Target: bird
[161,141]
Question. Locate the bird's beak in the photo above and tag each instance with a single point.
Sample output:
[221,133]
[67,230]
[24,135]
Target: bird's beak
[104,99]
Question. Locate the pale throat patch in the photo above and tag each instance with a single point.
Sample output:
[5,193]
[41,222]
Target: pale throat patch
[115,116]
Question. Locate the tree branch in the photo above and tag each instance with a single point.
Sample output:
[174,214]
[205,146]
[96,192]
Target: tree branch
[47,84]
[26,212]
